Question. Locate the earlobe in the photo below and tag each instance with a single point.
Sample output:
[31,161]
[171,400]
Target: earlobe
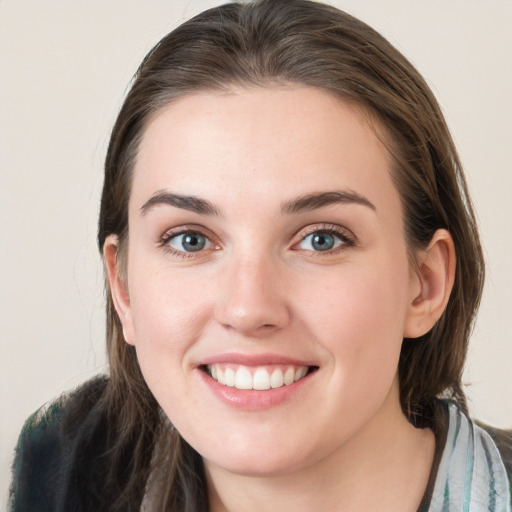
[118,287]
[432,285]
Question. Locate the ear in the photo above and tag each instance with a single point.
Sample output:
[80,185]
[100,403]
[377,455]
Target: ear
[431,284]
[116,276]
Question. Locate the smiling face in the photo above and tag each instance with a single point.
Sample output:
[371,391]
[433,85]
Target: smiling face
[268,287]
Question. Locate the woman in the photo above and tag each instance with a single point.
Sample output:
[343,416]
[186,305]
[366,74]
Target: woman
[293,270]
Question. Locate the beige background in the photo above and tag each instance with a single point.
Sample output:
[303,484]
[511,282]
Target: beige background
[64,69]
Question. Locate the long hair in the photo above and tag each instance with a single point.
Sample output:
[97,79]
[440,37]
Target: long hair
[268,43]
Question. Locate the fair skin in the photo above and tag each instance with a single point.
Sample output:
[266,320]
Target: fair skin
[294,257]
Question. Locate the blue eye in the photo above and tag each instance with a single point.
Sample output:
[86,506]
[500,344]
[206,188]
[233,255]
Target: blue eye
[321,241]
[189,242]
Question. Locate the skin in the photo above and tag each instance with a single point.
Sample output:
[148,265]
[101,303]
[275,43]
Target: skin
[259,287]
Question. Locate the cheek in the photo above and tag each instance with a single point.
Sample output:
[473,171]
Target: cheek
[359,318]
[166,323]
[166,326]
[164,307]
[358,301]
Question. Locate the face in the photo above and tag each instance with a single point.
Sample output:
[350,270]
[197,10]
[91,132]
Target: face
[268,286]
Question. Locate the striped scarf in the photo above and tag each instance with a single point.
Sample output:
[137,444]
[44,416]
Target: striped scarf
[471,475]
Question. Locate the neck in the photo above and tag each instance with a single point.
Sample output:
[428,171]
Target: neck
[384,467]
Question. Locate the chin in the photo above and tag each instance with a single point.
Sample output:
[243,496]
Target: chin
[262,460]
[256,467]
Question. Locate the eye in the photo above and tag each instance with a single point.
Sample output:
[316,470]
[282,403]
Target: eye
[189,242]
[323,241]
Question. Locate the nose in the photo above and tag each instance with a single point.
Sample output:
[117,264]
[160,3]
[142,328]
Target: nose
[253,301]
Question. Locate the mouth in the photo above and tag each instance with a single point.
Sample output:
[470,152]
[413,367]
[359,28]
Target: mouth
[259,378]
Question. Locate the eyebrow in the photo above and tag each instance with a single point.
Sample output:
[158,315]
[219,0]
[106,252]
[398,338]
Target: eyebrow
[319,200]
[191,203]
[302,204]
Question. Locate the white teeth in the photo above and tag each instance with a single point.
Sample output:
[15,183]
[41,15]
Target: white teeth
[229,377]
[243,379]
[276,379]
[259,379]
[289,375]
[301,372]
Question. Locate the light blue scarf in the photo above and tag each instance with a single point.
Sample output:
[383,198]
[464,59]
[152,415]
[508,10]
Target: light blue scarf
[471,475]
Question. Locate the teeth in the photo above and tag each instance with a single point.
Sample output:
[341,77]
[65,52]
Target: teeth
[301,372]
[229,377]
[243,379]
[276,379]
[289,375]
[261,379]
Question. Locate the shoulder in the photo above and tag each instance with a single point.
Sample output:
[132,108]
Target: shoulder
[503,440]
[73,405]
[474,469]
[47,447]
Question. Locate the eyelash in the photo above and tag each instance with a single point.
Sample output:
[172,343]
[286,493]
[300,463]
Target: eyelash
[346,238]
[166,238]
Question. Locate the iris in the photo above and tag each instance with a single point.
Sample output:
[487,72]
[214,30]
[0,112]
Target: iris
[192,242]
[322,241]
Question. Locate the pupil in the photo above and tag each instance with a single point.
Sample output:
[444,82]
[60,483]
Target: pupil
[323,242]
[193,242]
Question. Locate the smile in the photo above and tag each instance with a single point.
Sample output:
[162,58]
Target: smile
[259,378]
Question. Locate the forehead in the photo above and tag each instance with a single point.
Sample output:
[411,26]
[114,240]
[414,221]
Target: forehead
[273,143]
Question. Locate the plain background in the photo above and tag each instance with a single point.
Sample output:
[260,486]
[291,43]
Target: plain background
[64,69]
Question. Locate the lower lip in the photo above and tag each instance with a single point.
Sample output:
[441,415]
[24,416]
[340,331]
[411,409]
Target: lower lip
[251,399]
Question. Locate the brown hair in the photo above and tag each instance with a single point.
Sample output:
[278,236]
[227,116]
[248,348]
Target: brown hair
[267,43]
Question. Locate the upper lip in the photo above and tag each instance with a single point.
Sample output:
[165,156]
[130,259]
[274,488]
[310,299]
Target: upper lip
[253,359]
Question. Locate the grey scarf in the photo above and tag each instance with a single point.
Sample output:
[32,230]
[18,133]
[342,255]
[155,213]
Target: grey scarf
[471,475]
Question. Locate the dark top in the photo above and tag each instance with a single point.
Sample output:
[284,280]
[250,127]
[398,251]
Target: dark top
[63,454]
